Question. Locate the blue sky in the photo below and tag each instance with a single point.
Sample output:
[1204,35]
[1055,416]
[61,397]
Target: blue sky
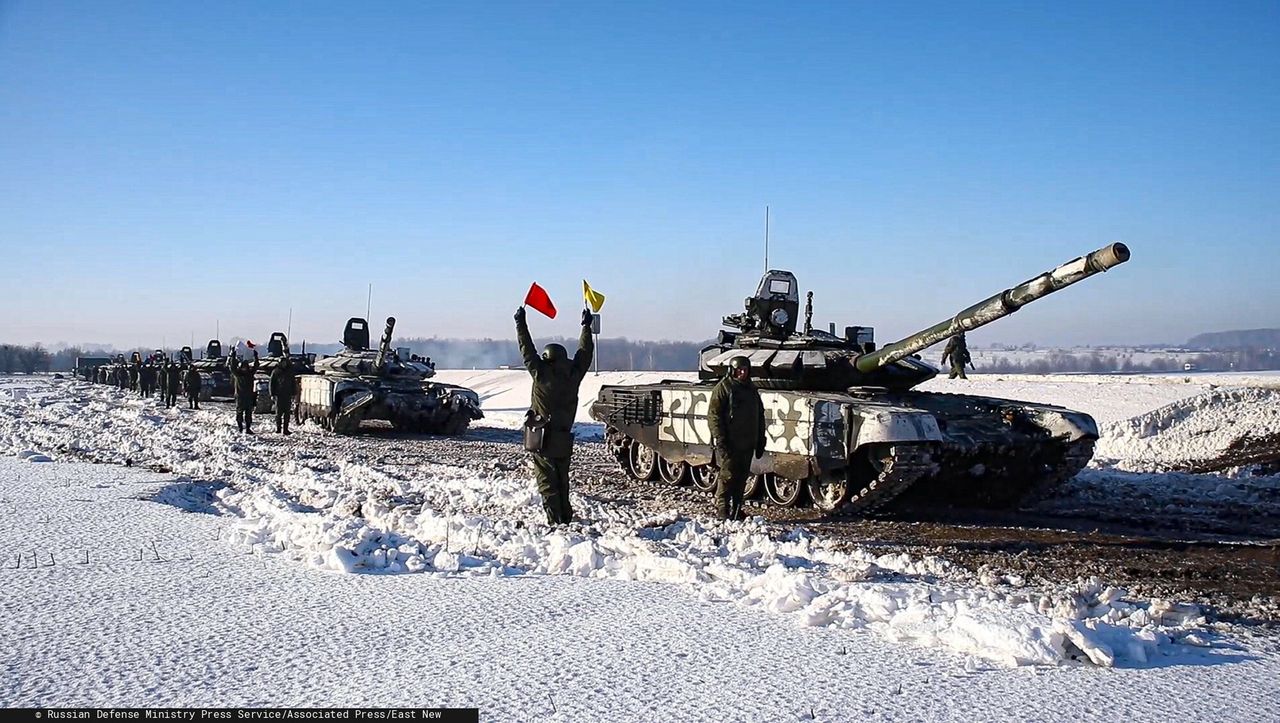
[169,167]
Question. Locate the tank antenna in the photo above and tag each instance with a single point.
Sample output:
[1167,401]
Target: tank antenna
[369,301]
[766,239]
[289,329]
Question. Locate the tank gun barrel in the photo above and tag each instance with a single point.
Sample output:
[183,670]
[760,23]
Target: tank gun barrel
[998,306]
[384,346]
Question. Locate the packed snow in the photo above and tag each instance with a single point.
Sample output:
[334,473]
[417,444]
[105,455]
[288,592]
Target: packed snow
[313,500]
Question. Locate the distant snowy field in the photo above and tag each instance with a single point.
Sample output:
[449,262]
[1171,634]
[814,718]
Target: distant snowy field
[227,594]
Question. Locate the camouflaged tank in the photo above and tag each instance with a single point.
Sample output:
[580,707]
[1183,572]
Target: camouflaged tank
[359,383]
[844,428]
[277,350]
[215,374]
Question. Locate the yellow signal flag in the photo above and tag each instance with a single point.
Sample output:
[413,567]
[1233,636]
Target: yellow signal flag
[593,298]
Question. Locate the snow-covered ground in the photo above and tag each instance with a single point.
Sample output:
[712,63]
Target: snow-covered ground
[622,617]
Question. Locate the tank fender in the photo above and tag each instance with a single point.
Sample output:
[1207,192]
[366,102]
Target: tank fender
[870,426]
[1066,424]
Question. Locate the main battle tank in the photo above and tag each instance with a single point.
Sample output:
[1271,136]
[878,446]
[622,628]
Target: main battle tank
[215,374]
[277,350]
[844,428]
[358,384]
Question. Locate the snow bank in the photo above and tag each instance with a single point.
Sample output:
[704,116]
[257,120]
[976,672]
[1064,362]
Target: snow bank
[327,501]
[1194,433]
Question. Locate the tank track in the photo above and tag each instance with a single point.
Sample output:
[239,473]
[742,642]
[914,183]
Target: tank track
[906,464]
[1075,458]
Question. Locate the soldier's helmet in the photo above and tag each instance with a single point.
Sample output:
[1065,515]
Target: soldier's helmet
[554,353]
[739,362]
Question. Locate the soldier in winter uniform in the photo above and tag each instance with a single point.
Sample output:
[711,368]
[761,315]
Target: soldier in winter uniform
[172,380]
[193,387]
[736,417]
[553,406]
[283,382]
[245,393]
[958,352]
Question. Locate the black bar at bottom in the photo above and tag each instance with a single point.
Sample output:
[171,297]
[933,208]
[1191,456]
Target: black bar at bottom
[232,715]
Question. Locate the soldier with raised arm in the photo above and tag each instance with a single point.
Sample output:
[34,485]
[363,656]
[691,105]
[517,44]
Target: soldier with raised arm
[552,408]
[246,393]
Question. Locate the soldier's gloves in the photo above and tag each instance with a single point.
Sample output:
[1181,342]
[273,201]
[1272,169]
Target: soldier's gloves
[520,313]
[586,317]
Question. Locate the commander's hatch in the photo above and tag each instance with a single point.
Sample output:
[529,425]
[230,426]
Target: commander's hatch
[356,336]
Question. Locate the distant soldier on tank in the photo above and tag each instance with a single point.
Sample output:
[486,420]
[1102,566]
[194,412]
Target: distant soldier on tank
[173,380]
[283,383]
[193,387]
[736,417]
[957,350]
[245,394]
[553,406]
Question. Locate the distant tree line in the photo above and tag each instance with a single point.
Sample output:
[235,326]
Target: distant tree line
[614,354]
[1058,362]
[23,359]
[15,359]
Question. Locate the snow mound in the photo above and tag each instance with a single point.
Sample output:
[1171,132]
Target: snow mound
[1213,430]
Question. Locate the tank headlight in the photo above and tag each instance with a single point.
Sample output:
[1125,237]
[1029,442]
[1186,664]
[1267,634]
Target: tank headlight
[779,317]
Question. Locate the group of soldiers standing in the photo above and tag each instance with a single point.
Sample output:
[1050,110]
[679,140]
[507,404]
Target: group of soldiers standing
[170,378]
[146,378]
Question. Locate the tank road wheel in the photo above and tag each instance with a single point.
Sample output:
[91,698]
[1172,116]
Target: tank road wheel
[703,477]
[784,492]
[828,495]
[676,473]
[642,462]
[755,485]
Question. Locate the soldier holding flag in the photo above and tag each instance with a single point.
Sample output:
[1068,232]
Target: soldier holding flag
[553,405]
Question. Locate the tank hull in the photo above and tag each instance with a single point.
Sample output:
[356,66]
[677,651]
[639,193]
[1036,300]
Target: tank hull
[858,451]
[341,404]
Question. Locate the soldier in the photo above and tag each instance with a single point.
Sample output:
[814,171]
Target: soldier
[283,382]
[245,394]
[135,371]
[958,351]
[173,380]
[553,406]
[193,388]
[153,378]
[736,418]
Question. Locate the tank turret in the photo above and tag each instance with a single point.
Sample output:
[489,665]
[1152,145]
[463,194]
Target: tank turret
[782,358]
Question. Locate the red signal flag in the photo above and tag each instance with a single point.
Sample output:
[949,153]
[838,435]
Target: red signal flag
[538,299]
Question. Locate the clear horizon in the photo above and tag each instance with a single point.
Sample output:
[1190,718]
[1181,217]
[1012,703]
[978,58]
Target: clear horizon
[166,170]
